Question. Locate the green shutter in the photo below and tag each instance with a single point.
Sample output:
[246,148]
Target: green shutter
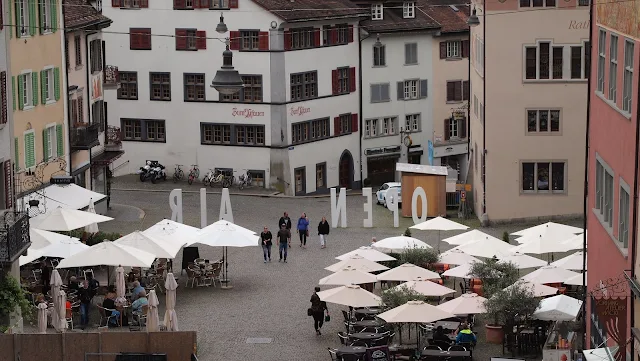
[13,91]
[43,86]
[41,17]
[10,19]
[33,21]
[60,140]
[45,144]
[17,156]
[20,93]
[53,8]
[29,150]
[34,86]
[18,23]
[56,83]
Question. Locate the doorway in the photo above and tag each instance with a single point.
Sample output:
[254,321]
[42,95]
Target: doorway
[345,171]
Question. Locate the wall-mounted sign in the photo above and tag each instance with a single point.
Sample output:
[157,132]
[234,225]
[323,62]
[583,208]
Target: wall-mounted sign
[246,113]
[96,87]
[579,25]
[385,150]
[298,111]
[459,115]
[61,180]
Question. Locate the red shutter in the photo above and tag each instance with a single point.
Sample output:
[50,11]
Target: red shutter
[201,39]
[233,4]
[116,3]
[8,185]
[234,40]
[336,125]
[334,35]
[133,40]
[181,39]
[352,79]
[465,48]
[3,89]
[144,3]
[334,81]
[145,39]
[287,40]
[350,34]
[316,37]
[443,50]
[354,123]
[447,125]
[179,4]
[263,40]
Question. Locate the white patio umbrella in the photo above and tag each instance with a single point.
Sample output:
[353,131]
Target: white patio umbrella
[541,242]
[93,227]
[170,316]
[415,312]
[575,242]
[174,232]
[42,317]
[32,255]
[549,274]
[368,253]
[456,257]
[558,308]
[521,260]
[461,271]
[466,304]
[555,228]
[109,254]
[350,295]
[156,246]
[41,239]
[488,247]
[357,262]
[439,224]
[64,219]
[538,289]
[407,272]
[56,287]
[426,287]
[121,288]
[153,319]
[348,276]
[63,249]
[399,244]
[467,237]
[60,304]
[574,262]
[576,280]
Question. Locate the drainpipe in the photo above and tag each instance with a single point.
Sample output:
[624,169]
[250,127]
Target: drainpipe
[484,118]
[469,105]
[361,120]
[66,93]
[88,77]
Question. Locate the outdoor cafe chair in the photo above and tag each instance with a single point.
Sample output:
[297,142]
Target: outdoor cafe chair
[359,343]
[192,277]
[343,337]
[432,347]
[105,318]
[333,354]
[141,316]
[457,348]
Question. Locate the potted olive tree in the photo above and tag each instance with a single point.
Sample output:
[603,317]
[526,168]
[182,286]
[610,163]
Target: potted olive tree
[505,307]
[422,257]
[398,296]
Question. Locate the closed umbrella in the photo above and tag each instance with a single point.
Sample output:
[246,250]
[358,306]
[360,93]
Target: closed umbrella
[461,271]
[426,287]
[574,262]
[487,247]
[538,289]
[42,317]
[56,287]
[439,224]
[407,272]
[41,239]
[170,316]
[558,308]
[348,276]
[399,244]
[456,257]
[357,262]
[61,311]
[521,260]
[466,304]
[466,237]
[368,253]
[93,227]
[156,246]
[350,295]
[553,227]
[65,219]
[549,274]
[121,289]
[153,319]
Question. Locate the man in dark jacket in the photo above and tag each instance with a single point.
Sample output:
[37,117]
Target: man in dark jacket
[265,240]
[286,220]
[284,241]
[85,295]
[317,310]
[323,232]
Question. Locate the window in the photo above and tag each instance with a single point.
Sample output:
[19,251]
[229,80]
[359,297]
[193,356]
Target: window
[342,32]
[389,126]
[380,93]
[219,4]
[302,38]
[623,216]
[309,131]
[249,40]
[252,91]
[344,124]
[379,56]
[97,110]
[377,12]
[613,68]
[412,89]
[48,89]
[194,88]
[192,39]
[543,121]
[475,106]
[139,39]
[410,54]
[537,3]
[46,22]
[148,130]
[558,61]
[604,193]
[300,182]
[547,61]
[321,170]
[576,62]
[370,128]
[602,39]
[344,83]
[543,177]
[457,90]
[454,49]
[160,86]
[583,2]
[304,85]
[23,14]
[77,43]
[409,10]
[453,129]
[95,55]
[627,79]
[128,85]
[27,90]
[49,142]
[234,134]
[327,35]
[479,52]
[412,123]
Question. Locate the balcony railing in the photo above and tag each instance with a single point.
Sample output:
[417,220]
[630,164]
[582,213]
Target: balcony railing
[14,236]
[111,77]
[113,139]
[85,137]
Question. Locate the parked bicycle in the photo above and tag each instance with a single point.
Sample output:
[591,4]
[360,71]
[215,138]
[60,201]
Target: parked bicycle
[208,178]
[244,180]
[194,173]
[178,173]
[218,179]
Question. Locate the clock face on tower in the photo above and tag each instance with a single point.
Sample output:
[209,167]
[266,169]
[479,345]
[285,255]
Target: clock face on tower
[407,141]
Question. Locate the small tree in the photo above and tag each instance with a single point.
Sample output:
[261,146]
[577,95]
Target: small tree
[423,257]
[398,296]
[494,275]
[506,306]
[505,237]
[12,296]
[407,232]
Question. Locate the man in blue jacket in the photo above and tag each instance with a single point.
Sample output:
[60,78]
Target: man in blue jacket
[466,335]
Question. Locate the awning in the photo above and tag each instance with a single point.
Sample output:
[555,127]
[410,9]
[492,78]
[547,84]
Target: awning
[66,196]
[600,354]
[106,158]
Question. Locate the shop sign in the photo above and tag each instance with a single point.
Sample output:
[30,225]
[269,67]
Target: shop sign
[612,313]
[579,25]
[246,113]
[299,111]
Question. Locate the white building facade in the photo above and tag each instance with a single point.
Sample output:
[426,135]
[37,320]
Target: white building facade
[294,126]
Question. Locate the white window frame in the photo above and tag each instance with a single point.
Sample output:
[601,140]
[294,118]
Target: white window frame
[53,141]
[47,16]
[627,77]
[453,128]
[389,125]
[377,11]
[412,122]
[49,82]
[408,10]
[371,128]
[27,88]
[605,189]
[454,49]
[535,177]
[602,58]
[411,89]
[613,68]
[624,214]
[24,19]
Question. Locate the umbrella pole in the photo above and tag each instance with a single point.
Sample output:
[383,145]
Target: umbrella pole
[225,281]
[438,242]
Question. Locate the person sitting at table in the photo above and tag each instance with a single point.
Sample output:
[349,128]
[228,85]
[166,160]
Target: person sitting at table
[137,291]
[466,335]
[141,300]
[440,335]
[73,284]
[109,304]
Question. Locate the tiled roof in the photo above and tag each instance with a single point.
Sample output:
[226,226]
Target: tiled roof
[440,15]
[79,13]
[451,18]
[393,21]
[300,10]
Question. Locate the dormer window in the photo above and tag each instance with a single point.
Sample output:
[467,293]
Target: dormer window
[409,10]
[377,11]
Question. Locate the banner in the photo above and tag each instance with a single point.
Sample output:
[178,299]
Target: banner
[612,313]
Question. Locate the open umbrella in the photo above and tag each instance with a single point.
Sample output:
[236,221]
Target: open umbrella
[426,287]
[56,287]
[415,312]
[553,227]
[93,227]
[368,253]
[348,276]
[350,295]
[32,255]
[109,254]
[488,247]
[461,271]
[549,274]
[466,304]
[173,232]
[558,308]
[60,304]
[576,280]
[399,244]
[63,249]
[456,257]
[170,317]
[153,319]
[575,242]
[439,224]
[156,246]
[574,262]
[64,219]
[41,238]
[541,242]
[466,237]
[521,260]
[42,317]
[359,263]
[538,289]
[407,272]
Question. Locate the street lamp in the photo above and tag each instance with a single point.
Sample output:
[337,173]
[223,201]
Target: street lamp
[227,80]
[221,28]
[473,20]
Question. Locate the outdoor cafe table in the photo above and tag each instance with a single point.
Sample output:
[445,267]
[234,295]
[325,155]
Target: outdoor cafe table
[351,350]
[447,325]
[365,336]
[367,311]
[446,354]
[369,323]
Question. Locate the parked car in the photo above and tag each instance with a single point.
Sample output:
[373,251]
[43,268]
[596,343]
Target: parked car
[381,194]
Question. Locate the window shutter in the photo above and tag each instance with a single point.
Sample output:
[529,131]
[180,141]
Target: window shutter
[53,8]
[13,92]
[423,88]
[21,91]
[43,86]
[181,39]
[336,126]
[144,3]
[201,39]
[56,83]
[443,50]
[80,110]
[233,4]
[447,125]
[334,81]
[8,185]
[334,35]
[451,91]
[45,144]
[350,33]
[263,40]
[3,89]
[465,48]
[354,123]
[10,18]
[384,92]
[145,39]
[316,37]
[116,3]
[465,90]
[34,88]
[16,158]
[457,91]
[19,24]
[234,40]
[352,79]
[462,128]
[60,140]
[400,90]
[287,40]
[41,12]
[29,149]
[133,39]
[33,21]
[179,4]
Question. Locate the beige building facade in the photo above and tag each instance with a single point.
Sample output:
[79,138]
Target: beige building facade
[529,69]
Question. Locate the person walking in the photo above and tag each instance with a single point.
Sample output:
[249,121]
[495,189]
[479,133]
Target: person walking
[323,232]
[266,237]
[303,229]
[286,220]
[318,308]
[85,295]
[284,241]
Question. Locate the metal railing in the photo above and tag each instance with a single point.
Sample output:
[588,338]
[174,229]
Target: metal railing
[14,235]
[83,138]
[113,137]
[111,76]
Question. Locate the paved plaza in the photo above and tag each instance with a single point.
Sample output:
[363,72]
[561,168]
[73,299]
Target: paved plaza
[268,301]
